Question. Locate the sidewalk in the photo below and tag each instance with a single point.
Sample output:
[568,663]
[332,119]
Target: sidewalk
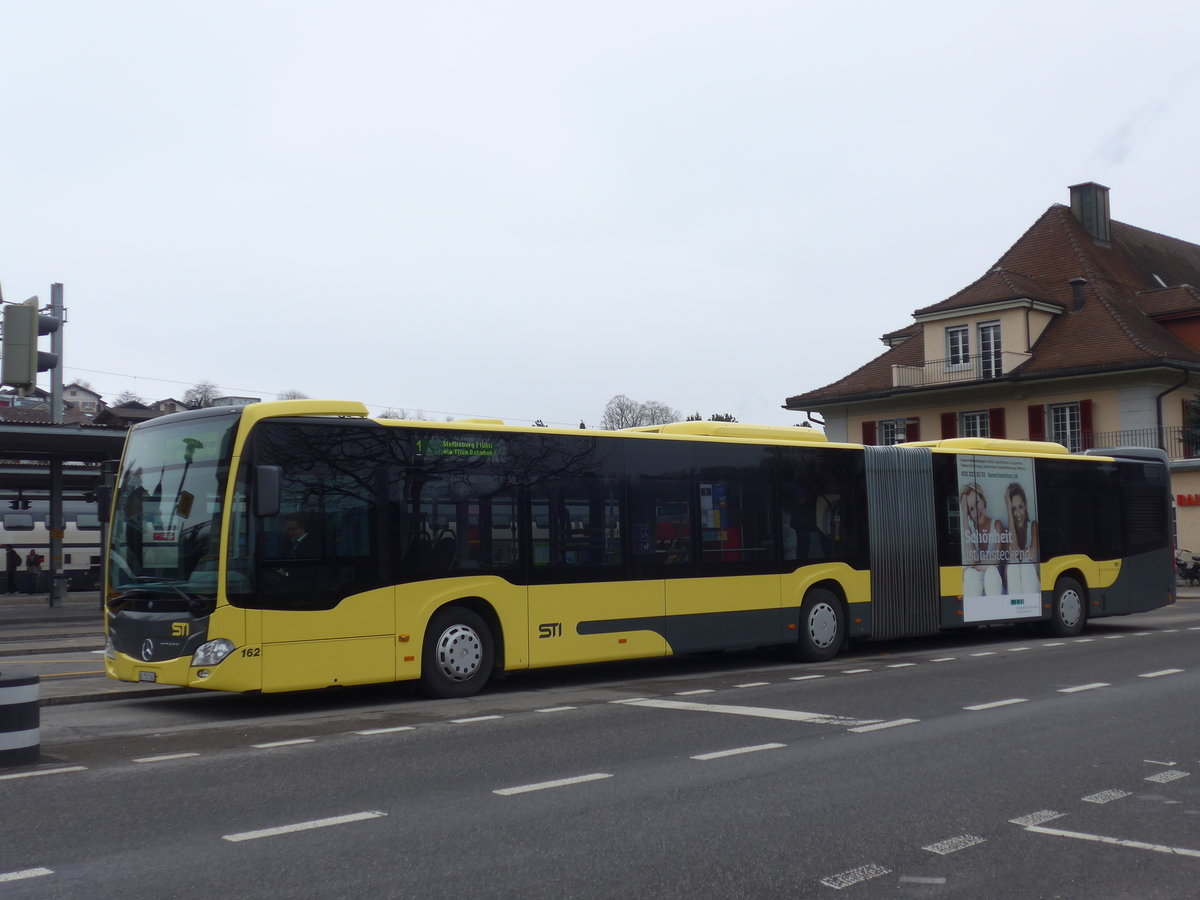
[64,646]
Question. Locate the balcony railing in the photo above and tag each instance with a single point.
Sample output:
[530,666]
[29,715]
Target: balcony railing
[1177,441]
[978,367]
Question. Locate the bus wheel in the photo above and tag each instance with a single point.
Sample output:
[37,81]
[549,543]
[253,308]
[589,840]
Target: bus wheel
[822,626]
[458,654]
[1068,613]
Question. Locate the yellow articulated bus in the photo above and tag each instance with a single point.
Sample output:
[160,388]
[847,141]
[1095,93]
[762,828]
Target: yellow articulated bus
[296,545]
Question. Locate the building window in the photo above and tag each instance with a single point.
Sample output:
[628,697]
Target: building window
[958,349]
[893,431]
[989,350]
[974,424]
[1065,427]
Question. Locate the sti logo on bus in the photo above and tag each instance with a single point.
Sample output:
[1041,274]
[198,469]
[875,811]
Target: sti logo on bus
[550,629]
[180,629]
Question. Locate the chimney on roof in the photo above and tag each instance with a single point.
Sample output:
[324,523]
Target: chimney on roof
[1077,297]
[1089,204]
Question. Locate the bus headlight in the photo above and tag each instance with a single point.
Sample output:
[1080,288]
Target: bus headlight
[212,653]
[110,652]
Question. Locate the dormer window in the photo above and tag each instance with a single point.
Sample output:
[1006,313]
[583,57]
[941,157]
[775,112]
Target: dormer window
[958,347]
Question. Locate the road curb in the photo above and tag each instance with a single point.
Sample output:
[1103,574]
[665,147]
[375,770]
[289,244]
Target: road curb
[115,695]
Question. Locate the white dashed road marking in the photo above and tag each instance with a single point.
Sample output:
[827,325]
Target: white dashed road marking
[392,730]
[546,785]
[1037,818]
[1164,777]
[274,744]
[24,873]
[165,758]
[61,771]
[954,844]
[879,726]
[996,703]
[735,752]
[1084,687]
[1160,673]
[1105,796]
[854,876]
[303,826]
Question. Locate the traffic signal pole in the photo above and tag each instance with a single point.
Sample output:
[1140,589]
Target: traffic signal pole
[20,362]
[58,579]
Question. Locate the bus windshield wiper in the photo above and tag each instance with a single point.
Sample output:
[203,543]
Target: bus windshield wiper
[198,604]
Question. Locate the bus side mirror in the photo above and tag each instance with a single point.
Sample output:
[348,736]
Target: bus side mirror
[103,502]
[267,480]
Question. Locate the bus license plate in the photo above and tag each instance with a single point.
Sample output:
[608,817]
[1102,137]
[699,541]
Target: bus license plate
[147,676]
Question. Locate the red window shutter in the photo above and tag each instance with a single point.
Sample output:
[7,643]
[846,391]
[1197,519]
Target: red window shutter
[949,425]
[1085,424]
[996,422]
[912,430]
[1037,422]
[869,433]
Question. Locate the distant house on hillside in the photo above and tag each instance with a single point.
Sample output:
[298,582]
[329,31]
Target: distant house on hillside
[126,415]
[82,398]
[170,405]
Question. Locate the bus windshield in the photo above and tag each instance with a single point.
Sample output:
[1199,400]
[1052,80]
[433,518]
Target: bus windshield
[165,534]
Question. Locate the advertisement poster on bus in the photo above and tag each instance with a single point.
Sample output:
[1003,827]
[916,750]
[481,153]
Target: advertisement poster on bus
[998,511]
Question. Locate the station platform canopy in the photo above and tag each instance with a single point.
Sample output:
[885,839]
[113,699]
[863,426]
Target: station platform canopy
[27,449]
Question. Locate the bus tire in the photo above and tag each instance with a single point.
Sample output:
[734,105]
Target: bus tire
[1068,608]
[458,654]
[822,626]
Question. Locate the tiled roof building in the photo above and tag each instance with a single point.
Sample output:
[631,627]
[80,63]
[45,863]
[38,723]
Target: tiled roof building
[1085,331]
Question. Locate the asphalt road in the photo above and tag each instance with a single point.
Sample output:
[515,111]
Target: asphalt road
[993,764]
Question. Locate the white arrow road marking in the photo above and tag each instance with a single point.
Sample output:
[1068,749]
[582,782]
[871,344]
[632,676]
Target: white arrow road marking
[1119,842]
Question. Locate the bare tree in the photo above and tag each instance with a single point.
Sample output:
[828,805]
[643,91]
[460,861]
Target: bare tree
[201,395]
[292,394]
[127,397]
[394,414]
[656,413]
[621,412]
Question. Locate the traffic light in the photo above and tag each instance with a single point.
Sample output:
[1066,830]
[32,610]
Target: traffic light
[18,504]
[21,360]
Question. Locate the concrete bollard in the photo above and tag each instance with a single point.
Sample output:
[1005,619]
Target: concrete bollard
[19,720]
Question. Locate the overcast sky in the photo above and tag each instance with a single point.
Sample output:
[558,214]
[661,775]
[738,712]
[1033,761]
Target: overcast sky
[521,209]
